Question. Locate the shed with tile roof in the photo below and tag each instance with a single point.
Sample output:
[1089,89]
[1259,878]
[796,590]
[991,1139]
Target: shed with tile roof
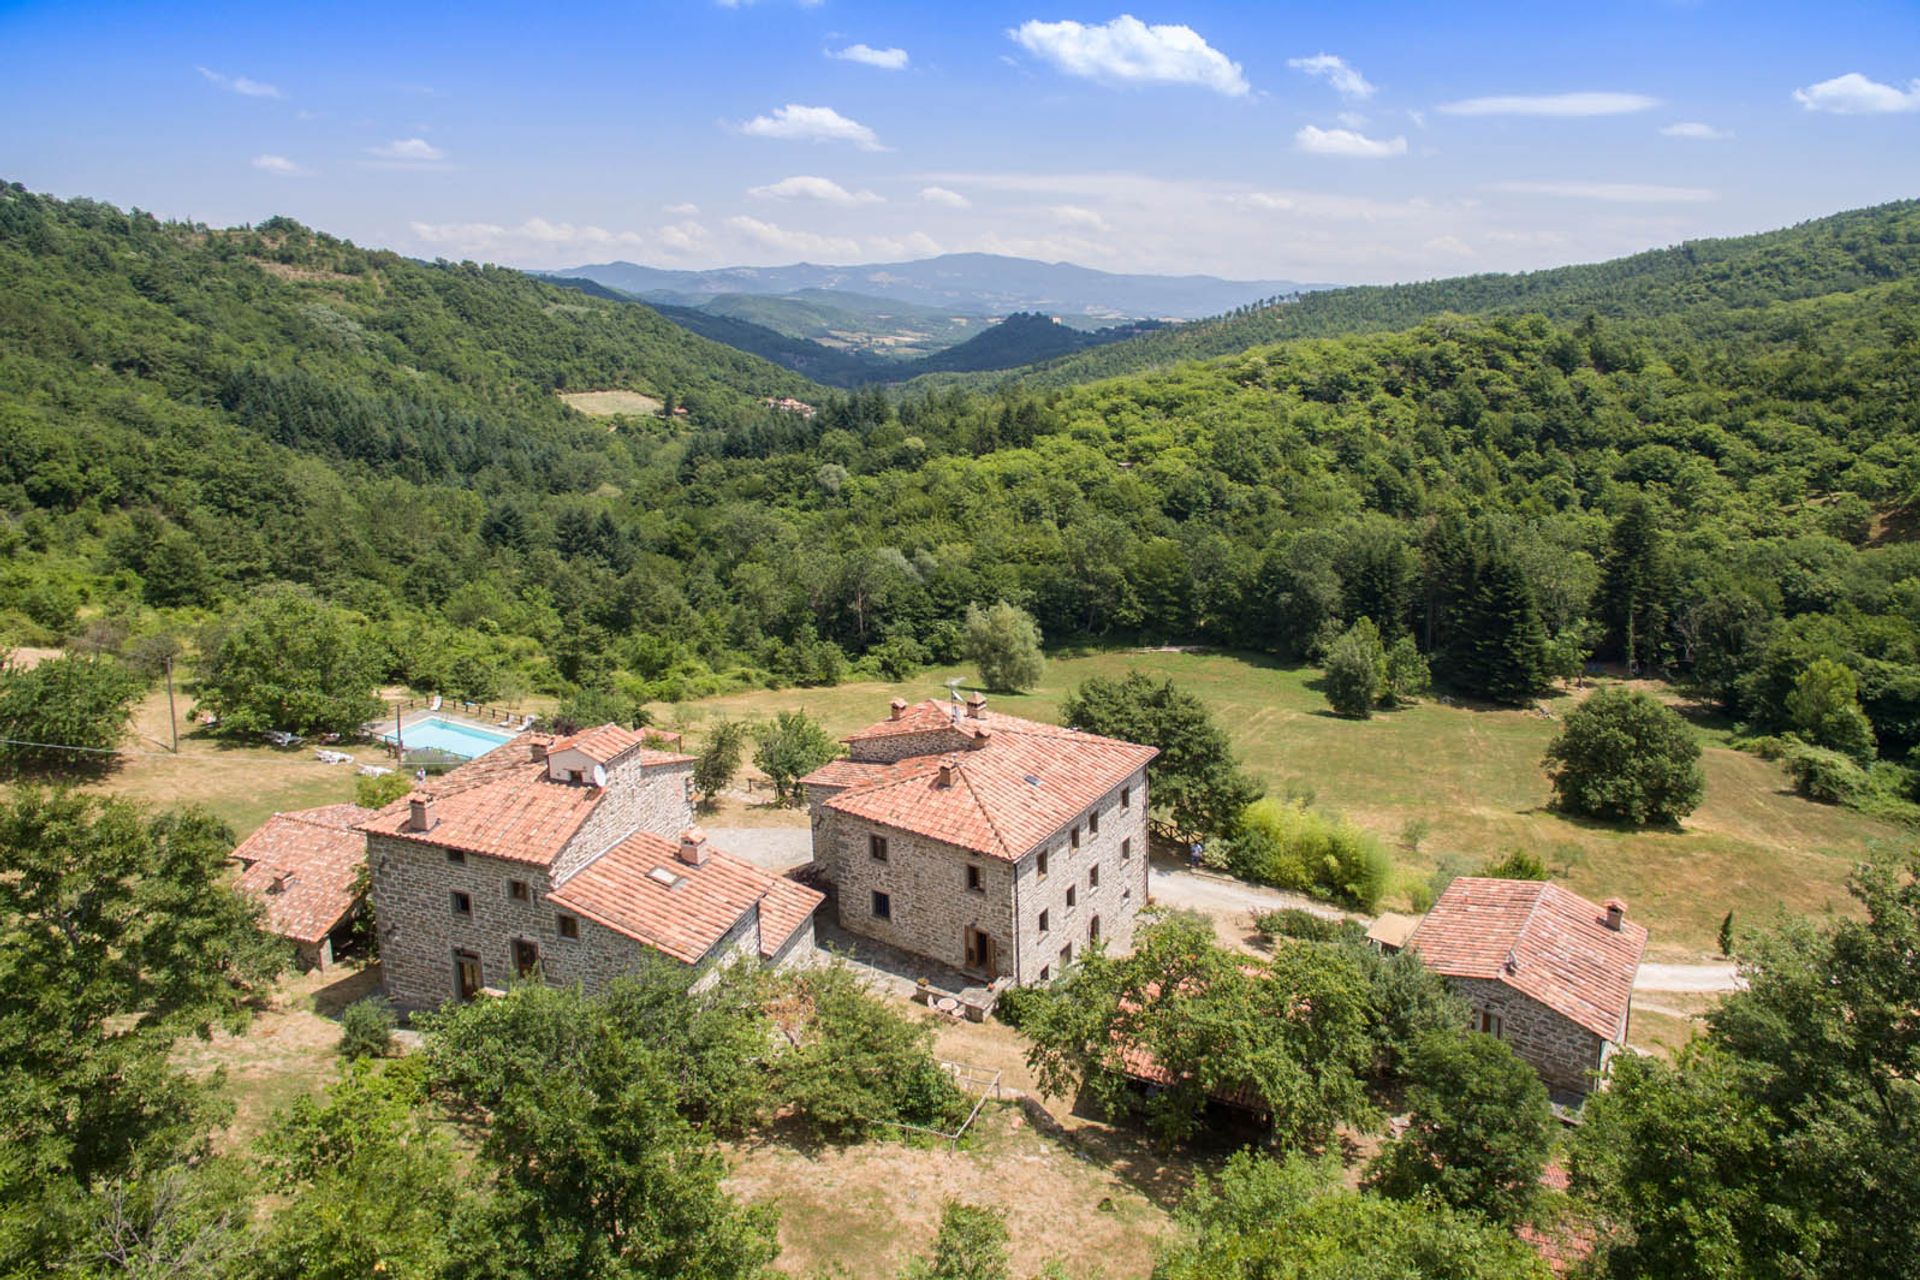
[305,868]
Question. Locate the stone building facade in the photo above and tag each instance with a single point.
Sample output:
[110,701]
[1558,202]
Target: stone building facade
[996,846]
[483,879]
[1569,1057]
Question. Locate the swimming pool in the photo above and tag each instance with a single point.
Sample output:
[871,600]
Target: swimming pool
[463,740]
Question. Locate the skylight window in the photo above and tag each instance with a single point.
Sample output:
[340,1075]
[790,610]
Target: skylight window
[660,875]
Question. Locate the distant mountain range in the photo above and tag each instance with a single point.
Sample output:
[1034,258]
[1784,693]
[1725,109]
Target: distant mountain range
[964,283]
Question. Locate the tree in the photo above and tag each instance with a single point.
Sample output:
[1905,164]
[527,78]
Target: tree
[120,932]
[1497,645]
[1195,780]
[1479,1128]
[288,661]
[1408,676]
[1356,666]
[971,1245]
[1780,1142]
[1636,586]
[82,704]
[1003,641]
[366,1029]
[719,759]
[1824,708]
[1265,1219]
[1293,1035]
[1517,864]
[596,1172]
[788,749]
[377,791]
[1624,757]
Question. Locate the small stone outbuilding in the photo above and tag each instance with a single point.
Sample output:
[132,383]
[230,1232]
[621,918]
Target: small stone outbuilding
[1544,969]
[305,868]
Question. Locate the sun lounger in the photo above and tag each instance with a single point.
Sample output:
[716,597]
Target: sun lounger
[372,770]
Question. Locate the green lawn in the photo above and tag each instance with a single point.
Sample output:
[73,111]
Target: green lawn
[1472,774]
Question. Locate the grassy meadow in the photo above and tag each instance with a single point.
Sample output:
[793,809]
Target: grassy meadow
[1473,775]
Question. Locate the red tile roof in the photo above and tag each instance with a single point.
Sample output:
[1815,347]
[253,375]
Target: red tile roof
[608,742]
[922,717]
[504,805]
[845,773]
[689,917]
[1007,795]
[1543,941]
[316,855]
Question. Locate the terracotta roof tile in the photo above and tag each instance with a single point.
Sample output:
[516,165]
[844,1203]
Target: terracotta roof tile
[1543,941]
[689,916]
[845,773]
[315,855]
[609,742]
[504,805]
[1007,796]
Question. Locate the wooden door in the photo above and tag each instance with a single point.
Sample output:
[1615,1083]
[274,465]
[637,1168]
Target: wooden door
[526,957]
[980,952]
[467,979]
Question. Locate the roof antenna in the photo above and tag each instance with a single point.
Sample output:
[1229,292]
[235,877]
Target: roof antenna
[954,699]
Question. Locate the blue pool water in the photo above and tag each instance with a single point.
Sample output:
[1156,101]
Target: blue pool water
[463,740]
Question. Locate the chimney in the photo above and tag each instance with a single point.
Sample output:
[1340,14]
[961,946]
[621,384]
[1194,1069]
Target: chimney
[281,879]
[420,811]
[538,749]
[1616,914]
[976,705]
[981,737]
[948,768]
[896,708]
[693,847]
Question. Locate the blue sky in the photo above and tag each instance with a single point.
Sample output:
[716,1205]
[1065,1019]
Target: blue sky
[1347,143]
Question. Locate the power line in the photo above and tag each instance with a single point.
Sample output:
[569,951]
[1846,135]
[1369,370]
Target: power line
[136,751]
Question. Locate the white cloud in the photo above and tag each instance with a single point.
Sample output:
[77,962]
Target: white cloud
[684,237]
[281,167]
[1345,142]
[1613,192]
[803,187]
[685,209]
[1695,130]
[1855,95]
[539,233]
[915,244]
[812,124]
[867,55]
[1352,119]
[1553,104]
[806,243]
[1453,246]
[240,85]
[411,151]
[1127,51]
[1073,215]
[945,198]
[1346,81]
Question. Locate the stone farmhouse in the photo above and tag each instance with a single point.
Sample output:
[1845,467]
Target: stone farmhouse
[569,858]
[996,846]
[304,868]
[1544,969]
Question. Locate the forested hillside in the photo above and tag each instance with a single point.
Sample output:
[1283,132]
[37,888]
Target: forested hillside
[1830,255]
[193,414]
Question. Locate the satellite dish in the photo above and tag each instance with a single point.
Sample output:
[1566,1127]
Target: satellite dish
[600,775]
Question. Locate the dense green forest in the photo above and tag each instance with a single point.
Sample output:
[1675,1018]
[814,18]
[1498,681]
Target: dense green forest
[1721,493]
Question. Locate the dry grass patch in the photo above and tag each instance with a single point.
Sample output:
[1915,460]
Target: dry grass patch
[1474,776]
[608,404]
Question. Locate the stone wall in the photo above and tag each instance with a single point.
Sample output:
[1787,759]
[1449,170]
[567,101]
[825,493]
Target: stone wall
[932,907]
[900,746]
[657,798]
[1567,1055]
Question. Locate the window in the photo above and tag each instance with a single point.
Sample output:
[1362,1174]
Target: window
[1126,797]
[1492,1023]
[1093,823]
[1066,956]
[1093,930]
[1040,865]
[1126,849]
[973,879]
[1076,837]
[1093,876]
[877,848]
[1126,895]
[575,776]
[1043,922]
[1070,897]
[882,905]
[454,855]
[1046,973]
[567,926]
[462,903]
[526,957]
[518,891]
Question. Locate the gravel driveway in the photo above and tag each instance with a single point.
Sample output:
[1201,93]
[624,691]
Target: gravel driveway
[774,848]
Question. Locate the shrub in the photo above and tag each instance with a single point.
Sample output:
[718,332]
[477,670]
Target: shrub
[380,790]
[1356,666]
[1293,922]
[1408,675]
[1624,757]
[1824,708]
[1821,773]
[1294,847]
[1516,865]
[366,1029]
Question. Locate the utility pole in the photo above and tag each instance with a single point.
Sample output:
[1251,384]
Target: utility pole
[173,720]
